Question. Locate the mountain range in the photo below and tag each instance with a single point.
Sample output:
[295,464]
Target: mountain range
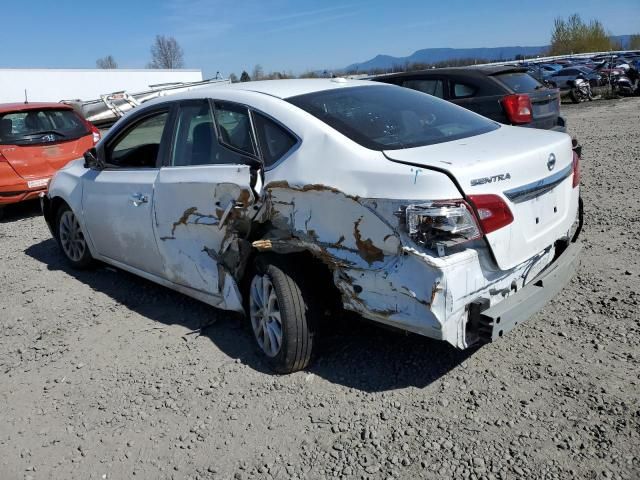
[434,55]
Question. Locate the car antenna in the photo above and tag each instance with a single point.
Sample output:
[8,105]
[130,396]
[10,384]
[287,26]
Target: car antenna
[26,100]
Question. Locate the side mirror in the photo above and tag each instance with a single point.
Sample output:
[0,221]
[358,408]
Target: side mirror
[92,161]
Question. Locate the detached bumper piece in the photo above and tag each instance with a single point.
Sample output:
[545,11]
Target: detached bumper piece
[492,323]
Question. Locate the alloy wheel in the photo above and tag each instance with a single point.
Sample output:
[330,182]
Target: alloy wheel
[266,319]
[72,240]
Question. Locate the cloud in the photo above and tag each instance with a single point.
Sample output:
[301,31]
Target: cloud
[194,21]
[310,23]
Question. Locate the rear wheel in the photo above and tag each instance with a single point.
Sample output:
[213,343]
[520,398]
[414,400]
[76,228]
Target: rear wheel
[281,315]
[71,239]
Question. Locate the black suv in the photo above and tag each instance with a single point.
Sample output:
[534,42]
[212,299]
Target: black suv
[506,94]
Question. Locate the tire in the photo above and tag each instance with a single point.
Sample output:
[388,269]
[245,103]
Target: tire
[71,239]
[574,96]
[284,332]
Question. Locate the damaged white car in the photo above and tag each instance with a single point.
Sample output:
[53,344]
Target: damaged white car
[283,198]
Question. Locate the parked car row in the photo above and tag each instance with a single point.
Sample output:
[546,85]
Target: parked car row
[506,94]
[598,70]
[289,200]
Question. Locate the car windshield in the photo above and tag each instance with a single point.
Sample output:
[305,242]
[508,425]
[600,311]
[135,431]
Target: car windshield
[33,127]
[391,118]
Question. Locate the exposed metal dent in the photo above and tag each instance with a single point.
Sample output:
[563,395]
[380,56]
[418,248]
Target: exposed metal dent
[322,216]
[186,215]
[366,249]
[379,272]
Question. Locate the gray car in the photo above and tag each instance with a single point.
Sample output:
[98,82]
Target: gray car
[562,77]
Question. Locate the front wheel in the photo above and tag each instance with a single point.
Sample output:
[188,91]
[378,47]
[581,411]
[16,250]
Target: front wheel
[71,239]
[281,316]
[574,96]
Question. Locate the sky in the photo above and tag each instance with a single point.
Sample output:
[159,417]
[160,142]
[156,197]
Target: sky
[280,35]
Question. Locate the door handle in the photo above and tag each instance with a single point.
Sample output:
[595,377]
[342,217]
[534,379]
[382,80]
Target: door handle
[138,199]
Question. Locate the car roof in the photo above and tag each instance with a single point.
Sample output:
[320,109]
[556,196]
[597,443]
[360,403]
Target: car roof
[479,71]
[279,88]
[22,107]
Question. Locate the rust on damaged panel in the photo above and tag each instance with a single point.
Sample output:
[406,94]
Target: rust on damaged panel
[184,218]
[366,249]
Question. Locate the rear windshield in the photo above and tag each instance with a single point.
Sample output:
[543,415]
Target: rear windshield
[33,127]
[391,118]
[519,82]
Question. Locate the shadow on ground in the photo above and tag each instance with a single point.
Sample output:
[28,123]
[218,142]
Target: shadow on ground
[20,211]
[353,352]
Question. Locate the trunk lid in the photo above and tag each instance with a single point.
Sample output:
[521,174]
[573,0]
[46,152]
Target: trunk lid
[530,169]
[545,105]
[33,162]
[545,102]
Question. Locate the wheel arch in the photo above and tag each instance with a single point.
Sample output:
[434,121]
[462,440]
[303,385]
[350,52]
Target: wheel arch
[317,269]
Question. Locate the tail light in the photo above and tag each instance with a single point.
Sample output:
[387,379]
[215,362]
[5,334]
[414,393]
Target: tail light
[518,108]
[94,131]
[441,223]
[92,128]
[493,212]
[444,223]
[576,170]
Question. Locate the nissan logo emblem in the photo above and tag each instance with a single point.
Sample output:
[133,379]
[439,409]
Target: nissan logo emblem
[551,162]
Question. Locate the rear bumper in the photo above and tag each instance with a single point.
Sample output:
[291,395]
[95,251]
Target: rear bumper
[492,323]
[561,126]
[18,193]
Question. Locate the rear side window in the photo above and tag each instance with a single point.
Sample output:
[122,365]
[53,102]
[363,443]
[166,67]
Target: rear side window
[462,90]
[432,87]
[390,118]
[274,140]
[519,82]
[34,127]
[195,141]
[234,127]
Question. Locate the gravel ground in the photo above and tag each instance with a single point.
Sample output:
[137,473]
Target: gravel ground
[105,375]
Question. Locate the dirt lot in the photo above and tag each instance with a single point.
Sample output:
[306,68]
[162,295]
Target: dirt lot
[105,375]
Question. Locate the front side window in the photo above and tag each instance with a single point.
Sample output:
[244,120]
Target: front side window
[140,146]
[389,118]
[36,127]
[274,140]
[432,87]
[234,127]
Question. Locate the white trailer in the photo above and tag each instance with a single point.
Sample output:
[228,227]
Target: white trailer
[53,85]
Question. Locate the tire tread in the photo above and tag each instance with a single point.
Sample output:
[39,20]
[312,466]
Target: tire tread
[297,316]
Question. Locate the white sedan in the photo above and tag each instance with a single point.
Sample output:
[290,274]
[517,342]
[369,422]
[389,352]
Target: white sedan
[283,198]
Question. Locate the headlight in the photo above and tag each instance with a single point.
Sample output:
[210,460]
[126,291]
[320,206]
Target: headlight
[438,224]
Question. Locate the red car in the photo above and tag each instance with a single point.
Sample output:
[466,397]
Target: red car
[36,140]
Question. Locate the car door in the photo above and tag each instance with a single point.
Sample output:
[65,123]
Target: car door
[203,198]
[117,200]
